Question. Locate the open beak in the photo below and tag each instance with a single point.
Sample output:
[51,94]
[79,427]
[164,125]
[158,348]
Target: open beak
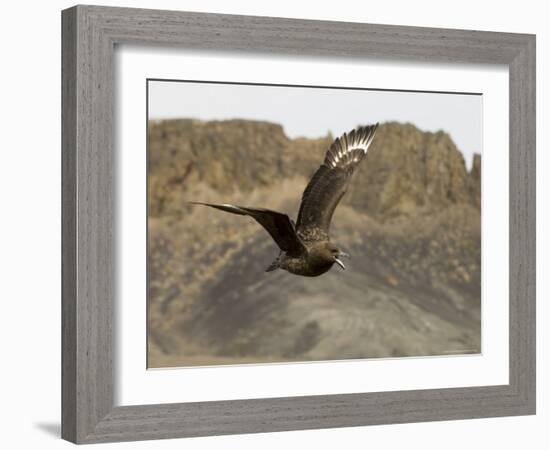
[340,263]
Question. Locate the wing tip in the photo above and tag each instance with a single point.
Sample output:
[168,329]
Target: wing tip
[195,203]
[360,138]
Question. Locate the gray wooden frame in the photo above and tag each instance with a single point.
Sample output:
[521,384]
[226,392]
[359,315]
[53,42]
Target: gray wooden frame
[89,34]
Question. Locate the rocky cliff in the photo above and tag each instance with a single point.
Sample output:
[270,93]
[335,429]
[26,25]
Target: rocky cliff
[411,220]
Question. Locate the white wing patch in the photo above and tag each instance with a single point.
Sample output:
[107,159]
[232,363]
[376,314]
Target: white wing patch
[350,147]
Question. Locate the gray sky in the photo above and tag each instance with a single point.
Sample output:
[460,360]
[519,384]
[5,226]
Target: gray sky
[313,112]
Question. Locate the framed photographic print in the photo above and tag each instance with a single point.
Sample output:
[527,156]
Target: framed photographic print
[267,222]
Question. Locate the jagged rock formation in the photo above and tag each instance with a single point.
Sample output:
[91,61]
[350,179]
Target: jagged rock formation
[411,221]
[408,170]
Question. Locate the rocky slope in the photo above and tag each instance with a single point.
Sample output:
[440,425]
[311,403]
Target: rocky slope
[411,222]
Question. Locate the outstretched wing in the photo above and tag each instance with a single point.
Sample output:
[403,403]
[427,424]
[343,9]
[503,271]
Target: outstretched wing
[277,224]
[331,181]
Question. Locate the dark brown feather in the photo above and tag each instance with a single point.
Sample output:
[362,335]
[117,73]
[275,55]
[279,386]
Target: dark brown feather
[329,184]
[277,224]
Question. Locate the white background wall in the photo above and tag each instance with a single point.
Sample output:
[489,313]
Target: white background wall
[30,227]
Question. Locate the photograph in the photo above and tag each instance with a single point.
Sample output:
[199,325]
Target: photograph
[304,223]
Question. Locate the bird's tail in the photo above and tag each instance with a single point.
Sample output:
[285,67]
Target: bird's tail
[273,266]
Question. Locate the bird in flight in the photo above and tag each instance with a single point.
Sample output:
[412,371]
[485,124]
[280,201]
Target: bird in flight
[305,246]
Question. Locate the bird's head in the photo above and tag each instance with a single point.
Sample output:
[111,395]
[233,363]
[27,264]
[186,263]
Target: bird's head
[335,254]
